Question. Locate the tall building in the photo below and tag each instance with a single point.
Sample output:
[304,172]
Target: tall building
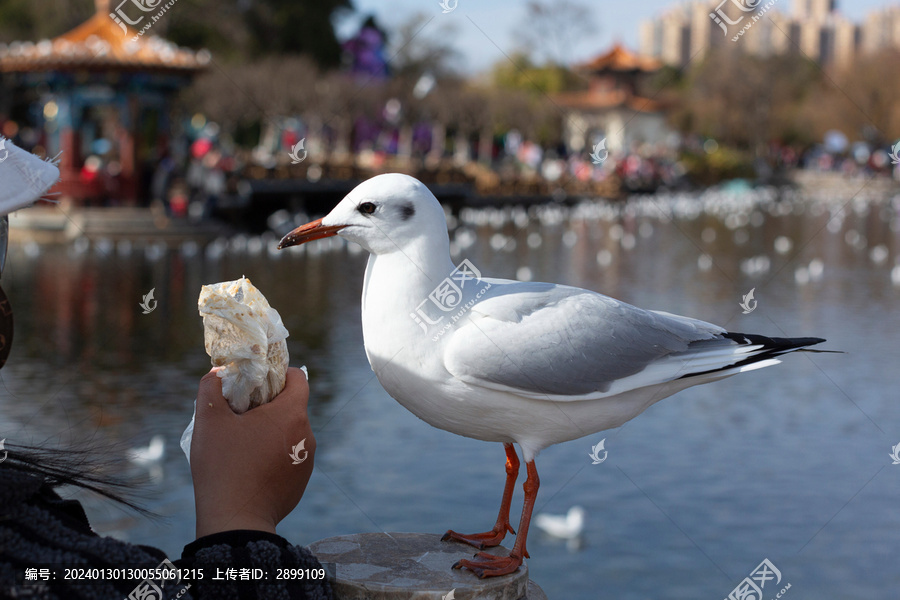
[846,42]
[814,28]
[813,9]
[881,29]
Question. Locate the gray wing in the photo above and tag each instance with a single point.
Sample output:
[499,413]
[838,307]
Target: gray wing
[544,340]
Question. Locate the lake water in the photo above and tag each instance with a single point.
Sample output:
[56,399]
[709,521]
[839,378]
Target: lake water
[789,463]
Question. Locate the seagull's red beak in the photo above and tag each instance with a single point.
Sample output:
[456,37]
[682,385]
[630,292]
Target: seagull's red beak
[309,232]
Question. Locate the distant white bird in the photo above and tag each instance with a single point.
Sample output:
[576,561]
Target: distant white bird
[507,361]
[567,527]
[150,454]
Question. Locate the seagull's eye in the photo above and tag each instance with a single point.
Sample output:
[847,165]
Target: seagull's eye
[367,208]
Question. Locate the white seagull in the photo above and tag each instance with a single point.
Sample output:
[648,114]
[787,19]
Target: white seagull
[568,526]
[506,361]
[149,454]
[25,177]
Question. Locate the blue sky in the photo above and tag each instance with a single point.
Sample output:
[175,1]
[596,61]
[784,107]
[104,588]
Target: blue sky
[501,19]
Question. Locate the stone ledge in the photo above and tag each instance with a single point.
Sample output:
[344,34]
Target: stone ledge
[414,566]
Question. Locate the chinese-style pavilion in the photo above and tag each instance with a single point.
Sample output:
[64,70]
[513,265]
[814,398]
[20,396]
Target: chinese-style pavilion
[611,107]
[99,94]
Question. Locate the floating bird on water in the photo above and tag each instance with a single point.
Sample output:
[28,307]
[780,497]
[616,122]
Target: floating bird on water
[535,364]
[568,526]
[150,454]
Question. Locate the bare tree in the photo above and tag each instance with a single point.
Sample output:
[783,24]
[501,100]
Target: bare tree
[550,28]
[419,45]
[255,91]
[866,98]
[746,101]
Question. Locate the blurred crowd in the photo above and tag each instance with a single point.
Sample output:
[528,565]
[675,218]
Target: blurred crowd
[201,172]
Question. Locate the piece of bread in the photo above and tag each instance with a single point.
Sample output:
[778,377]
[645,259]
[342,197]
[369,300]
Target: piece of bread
[245,335]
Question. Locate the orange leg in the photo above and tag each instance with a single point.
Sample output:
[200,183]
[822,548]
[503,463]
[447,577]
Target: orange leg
[495,536]
[488,565]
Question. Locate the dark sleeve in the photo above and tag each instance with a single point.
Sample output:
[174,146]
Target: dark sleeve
[40,529]
[215,554]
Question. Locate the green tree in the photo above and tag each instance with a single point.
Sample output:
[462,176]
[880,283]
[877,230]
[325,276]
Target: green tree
[521,73]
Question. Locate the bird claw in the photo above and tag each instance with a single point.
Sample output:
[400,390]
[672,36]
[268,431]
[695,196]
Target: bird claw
[481,541]
[490,565]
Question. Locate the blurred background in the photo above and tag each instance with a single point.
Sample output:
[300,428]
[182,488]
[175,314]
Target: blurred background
[673,155]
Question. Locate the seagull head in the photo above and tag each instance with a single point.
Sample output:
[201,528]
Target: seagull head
[387,213]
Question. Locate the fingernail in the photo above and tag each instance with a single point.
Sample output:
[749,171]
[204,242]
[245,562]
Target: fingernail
[305,372]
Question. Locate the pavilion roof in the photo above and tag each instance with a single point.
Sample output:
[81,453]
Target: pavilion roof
[619,59]
[100,44]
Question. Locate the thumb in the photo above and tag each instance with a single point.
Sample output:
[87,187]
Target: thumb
[209,396]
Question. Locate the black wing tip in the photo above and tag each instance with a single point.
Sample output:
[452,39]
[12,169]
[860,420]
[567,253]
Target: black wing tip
[773,345]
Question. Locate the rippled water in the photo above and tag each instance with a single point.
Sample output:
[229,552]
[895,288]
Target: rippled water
[789,463]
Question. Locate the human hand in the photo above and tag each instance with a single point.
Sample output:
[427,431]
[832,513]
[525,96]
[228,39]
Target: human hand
[244,477]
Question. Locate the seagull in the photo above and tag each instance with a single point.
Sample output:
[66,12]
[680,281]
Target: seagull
[26,178]
[568,526]
[527,363]
[151,453]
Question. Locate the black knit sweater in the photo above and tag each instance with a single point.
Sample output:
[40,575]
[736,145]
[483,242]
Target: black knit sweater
[38,529]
